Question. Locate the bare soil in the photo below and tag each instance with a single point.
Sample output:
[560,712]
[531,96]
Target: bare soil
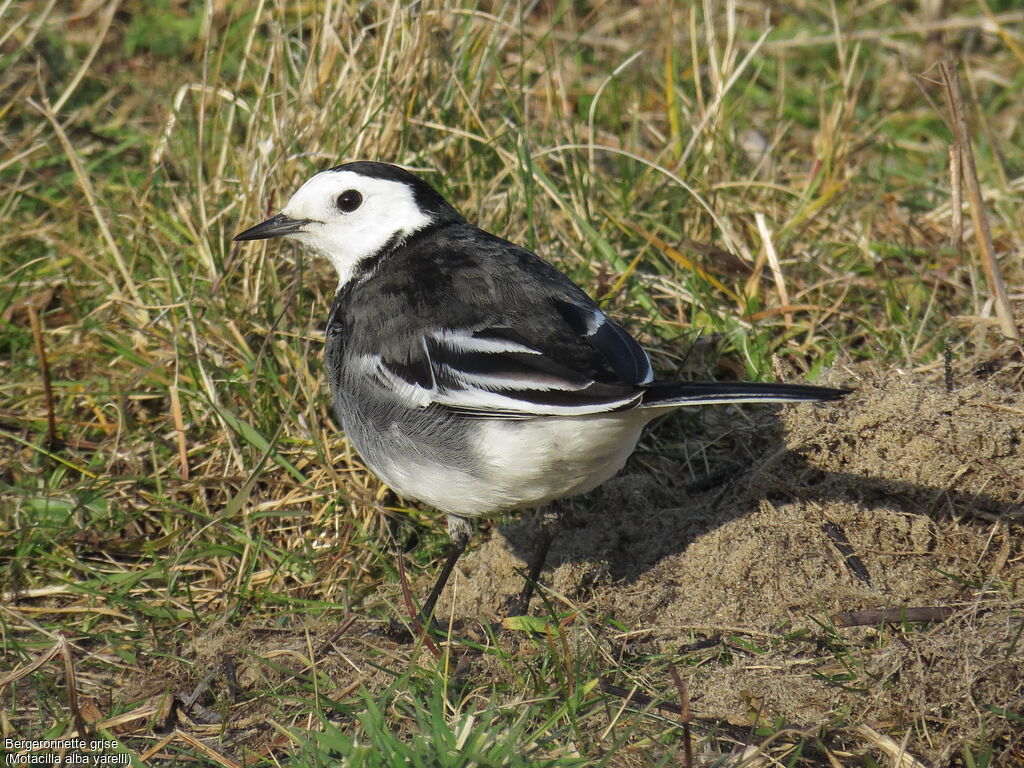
[905,495]
[925,485]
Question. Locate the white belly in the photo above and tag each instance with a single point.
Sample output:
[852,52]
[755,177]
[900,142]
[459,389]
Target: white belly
[524,463]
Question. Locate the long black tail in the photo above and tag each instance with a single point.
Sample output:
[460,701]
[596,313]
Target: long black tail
[667,394]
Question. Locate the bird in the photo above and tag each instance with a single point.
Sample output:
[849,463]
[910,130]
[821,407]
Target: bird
[469,373]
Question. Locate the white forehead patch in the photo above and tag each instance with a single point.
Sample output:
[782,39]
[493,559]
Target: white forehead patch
[388,209]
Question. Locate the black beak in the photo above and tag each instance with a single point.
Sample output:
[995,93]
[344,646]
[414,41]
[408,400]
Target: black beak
[275,226]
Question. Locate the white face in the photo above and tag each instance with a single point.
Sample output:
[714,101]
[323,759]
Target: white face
[352,216]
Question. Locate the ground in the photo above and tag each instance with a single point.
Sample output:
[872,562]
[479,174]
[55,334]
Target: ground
[905,495]
[923,483]
[196,565]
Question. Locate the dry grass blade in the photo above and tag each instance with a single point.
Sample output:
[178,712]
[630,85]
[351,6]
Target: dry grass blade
[876,617]
[128,281]
[676,256]
[44,372]
[179,430]
[48,454]
[72,686]
[684,714]
[216,756]
[956,199]
[414,615]
[150,753]
[100,37]
[59,648]
[773,263]
[139,717]
[895,752]
[1009,40]
[21,672]
[957,109]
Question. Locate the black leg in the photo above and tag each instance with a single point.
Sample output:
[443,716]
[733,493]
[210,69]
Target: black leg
[459,530]
[549,524]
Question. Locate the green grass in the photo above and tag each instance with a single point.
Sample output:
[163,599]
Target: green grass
[135,143]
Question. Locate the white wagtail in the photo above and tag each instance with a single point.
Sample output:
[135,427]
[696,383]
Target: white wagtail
[469,373]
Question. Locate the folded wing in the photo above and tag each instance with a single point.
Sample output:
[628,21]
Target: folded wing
[577,361]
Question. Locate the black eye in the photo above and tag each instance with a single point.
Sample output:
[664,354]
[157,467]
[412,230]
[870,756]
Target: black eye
[348,201]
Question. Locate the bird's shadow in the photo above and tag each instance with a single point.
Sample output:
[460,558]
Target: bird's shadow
[639,519]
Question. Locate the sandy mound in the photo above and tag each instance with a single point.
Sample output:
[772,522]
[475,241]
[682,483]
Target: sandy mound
[903,495]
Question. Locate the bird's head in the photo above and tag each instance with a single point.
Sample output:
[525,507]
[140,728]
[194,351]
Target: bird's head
[352,212]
